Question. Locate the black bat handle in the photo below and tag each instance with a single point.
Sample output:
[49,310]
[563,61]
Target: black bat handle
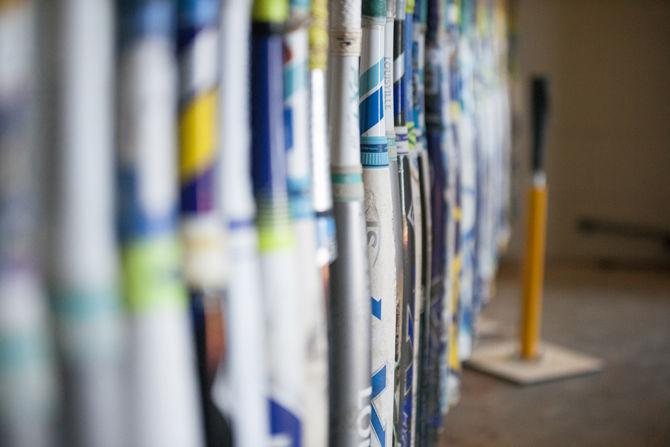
[539,111]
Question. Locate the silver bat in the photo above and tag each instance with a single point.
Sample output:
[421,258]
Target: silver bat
[350,300]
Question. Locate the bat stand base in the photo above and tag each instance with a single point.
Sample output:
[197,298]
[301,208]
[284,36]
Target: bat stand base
[502,360]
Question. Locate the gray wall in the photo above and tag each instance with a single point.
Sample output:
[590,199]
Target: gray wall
[609,135]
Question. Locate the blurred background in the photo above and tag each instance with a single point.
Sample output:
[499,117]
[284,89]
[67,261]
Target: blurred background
[608,139]
[607,291]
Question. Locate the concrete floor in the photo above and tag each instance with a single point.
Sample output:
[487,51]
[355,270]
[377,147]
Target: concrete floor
[622,317]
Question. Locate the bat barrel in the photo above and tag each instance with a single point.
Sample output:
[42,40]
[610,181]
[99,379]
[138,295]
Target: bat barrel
[301,201]
[203,232]
[84,279]
[322,194]
[151,262]
[28,404]
[285,329]
[350,300]
[241,382]
[379,219]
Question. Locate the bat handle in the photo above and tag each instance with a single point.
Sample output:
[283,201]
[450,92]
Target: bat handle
[540,112]
[345,25]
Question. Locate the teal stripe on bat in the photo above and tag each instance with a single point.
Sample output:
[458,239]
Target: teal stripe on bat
[374,152]
[346,178]
[371,78]
[294,78]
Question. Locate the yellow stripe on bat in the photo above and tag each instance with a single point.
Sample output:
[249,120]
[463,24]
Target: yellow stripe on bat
[318,36]
[454,360]
[454,111]
[197,135]
[456,213]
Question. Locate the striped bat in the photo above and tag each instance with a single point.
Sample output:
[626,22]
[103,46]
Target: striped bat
[284,330]
[447,146]
[453,319]
[322,197]
[425,364]
[436,132]
[503,55]
[396,206]
[449,238]
[241,385]
[28,389]
[451,216]
[405,362]
[424,182]
[379,220]
[508,62]
[408,72]
[322,201]
[300,190]
[203,232]
[484,263]
[491,123]
[395,186]
[454,199]
[417,212]
[468,183]
[482,125]
[84,261]
[162,387]
[350,300]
